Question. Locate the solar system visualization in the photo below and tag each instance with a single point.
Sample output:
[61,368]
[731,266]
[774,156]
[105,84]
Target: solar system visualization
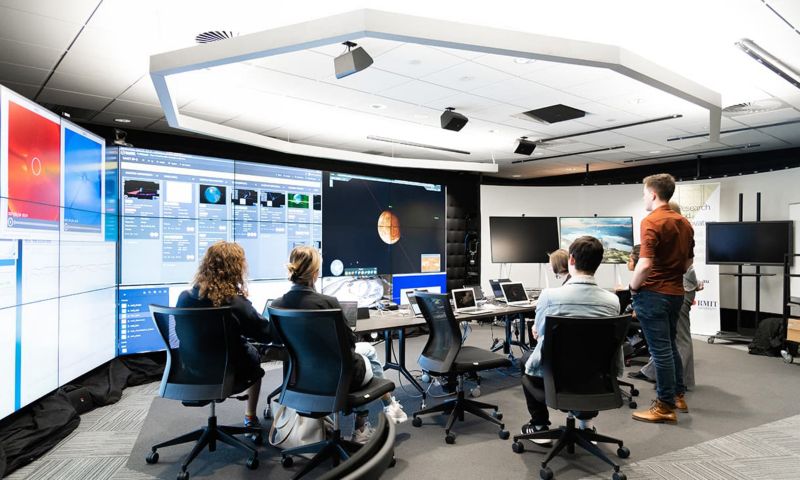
[91,236]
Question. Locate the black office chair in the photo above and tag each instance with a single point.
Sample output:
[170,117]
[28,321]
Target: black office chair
[579,361]
[444,355]
[371,460]
[199,373]
[317,383]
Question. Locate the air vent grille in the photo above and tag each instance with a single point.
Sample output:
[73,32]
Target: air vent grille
[214,36]
[758,106]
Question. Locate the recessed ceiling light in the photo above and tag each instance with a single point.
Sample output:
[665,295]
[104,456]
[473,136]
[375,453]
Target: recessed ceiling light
[492,131]
[638,100]
[122,120]
[377,106]
[523,60]
[516,176]
[467,78]
[538,154]
[655,151]
[611,120]
[415,62]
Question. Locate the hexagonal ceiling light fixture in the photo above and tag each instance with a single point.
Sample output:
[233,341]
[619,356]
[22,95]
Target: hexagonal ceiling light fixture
[409,29]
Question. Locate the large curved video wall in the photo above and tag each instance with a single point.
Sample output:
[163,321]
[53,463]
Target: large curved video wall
[91,236]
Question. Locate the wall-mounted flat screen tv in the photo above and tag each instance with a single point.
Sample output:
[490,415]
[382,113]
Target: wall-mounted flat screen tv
[615,233]
[753,243]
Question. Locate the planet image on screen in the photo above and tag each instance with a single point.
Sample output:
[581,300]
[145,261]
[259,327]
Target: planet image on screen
[212,194]
[389,227]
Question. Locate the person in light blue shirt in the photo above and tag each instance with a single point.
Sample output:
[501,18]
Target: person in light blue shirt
[580,296]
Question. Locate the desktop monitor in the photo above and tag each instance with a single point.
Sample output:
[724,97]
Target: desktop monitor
[515,293]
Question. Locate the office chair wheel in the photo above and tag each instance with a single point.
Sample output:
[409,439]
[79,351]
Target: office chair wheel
[627,363]
[475,392]
[287,462]
[619,476]
[632,404]
[503,434]
[497,415]
[417,422]
[252,463]
[518,447]
[450,439]
[151,458]
[267,414]
[711,340]
[425,378]
[546,474]
[183,475]
[634,392]
[393,462]
[623,452]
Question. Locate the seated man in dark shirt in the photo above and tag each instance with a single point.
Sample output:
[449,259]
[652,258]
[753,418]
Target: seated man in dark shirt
[220,281]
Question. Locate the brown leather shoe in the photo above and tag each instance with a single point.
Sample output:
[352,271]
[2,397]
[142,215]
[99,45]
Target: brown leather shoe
[680,403]
[659,412]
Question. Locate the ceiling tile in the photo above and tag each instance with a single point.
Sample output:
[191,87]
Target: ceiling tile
[103,85]
[418,93]
[78,11]
[134,108]
[610,87]
[465,103]
[23,89]
[36,29]
[750,136]
[73,99]
[789,133]
[10,72]
[518,67]
[457,52]
[142,91]
[371,80]
[28,54]
[416,61]
[466,77]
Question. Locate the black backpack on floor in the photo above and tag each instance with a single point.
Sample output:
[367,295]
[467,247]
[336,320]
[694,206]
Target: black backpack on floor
[768,339]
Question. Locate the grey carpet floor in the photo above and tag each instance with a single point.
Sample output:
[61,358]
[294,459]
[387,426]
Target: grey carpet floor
[744,422]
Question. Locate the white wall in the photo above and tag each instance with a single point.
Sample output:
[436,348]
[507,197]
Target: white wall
[778,190]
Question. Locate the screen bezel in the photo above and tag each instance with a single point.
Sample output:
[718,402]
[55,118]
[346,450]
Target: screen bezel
[507,285]
[456,291]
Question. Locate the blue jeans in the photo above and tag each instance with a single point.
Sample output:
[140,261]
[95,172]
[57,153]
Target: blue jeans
[658,314]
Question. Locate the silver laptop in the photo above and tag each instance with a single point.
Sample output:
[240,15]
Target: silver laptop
[515,293]
[464,300]
[496,290]
[350,313]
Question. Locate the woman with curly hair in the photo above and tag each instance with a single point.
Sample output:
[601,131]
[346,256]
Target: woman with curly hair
[221,281]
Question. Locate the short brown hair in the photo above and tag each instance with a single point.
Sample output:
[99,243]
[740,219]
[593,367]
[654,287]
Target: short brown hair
[222,273]
[663,184]
[587,252]
[675,207]
[304,264]
[559,261]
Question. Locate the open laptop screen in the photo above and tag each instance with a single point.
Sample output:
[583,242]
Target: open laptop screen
[514,292]
[350,313]
[495,284]
[478,291]
[464,298]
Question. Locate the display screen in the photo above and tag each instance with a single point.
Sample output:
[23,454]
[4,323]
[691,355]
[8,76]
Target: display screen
[523,239]
[174,206]
[615,233]
[756,243]
[375,226]
[58,314]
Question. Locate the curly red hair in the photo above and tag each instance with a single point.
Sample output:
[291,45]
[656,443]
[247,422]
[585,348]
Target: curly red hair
[222,273]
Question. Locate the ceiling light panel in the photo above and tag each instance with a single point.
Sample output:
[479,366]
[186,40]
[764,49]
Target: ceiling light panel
[418,93]
[466,77]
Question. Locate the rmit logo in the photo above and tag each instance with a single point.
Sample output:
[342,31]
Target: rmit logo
[706,303]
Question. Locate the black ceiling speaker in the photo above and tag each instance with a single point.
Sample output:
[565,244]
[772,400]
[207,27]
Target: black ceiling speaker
[452,120]
[555,114]
[525,146]
[351,61]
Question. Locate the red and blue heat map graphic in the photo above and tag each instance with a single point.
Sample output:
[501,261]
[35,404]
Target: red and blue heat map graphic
[34,165]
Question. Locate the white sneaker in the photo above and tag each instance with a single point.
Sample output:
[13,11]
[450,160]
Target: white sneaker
[529,428]
[394,411]
[362,435]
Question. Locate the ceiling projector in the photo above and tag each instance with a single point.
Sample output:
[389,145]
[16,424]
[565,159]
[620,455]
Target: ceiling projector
[352,61]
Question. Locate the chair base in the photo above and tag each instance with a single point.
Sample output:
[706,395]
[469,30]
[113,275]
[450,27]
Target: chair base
[628,396]
[457,407]
[335,448]
[568,436]
[208,436]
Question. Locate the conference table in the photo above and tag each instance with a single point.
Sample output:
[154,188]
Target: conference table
[388,321]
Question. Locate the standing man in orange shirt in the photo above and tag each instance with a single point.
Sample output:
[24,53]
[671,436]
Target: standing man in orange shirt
[667,251]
